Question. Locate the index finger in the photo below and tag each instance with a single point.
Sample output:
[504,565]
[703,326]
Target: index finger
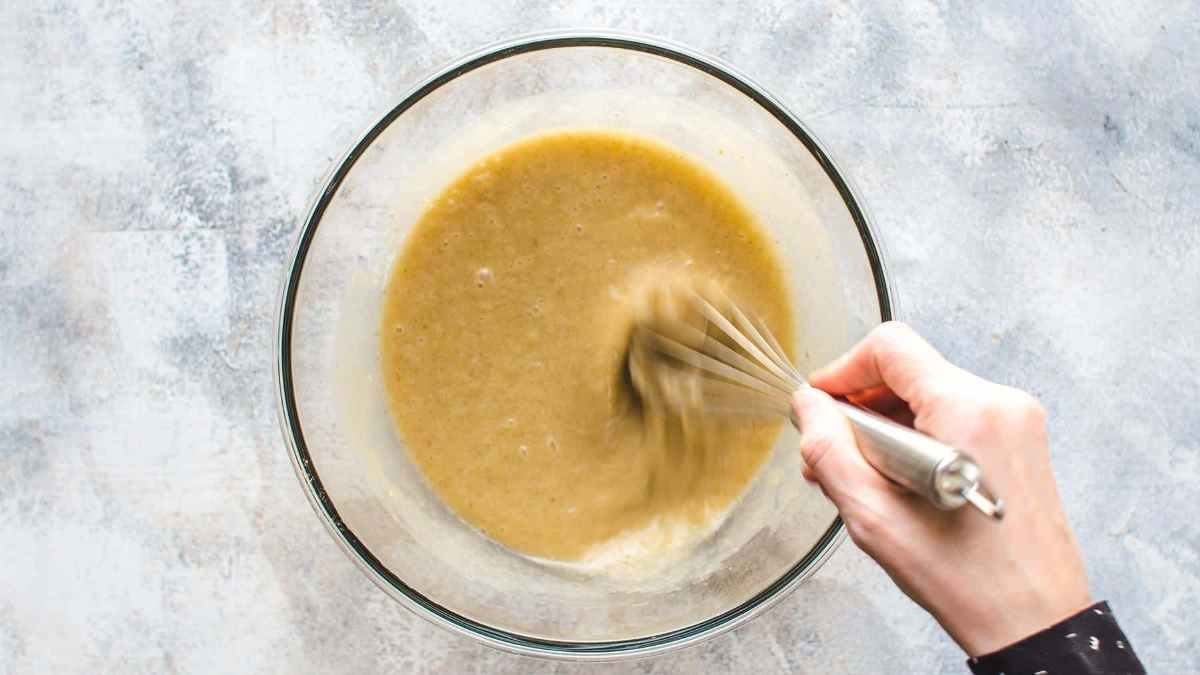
[891,355]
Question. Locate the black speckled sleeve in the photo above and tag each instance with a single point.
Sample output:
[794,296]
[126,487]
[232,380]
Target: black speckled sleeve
[1088,643]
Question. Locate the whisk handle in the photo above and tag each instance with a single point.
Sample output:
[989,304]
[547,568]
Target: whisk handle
[944,475]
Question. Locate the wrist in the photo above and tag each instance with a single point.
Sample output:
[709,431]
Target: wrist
[1014,619]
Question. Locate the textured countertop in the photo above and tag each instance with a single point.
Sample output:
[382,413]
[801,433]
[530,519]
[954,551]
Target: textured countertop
[1033,173]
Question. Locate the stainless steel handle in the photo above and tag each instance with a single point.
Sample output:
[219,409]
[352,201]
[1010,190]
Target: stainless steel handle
[944,475]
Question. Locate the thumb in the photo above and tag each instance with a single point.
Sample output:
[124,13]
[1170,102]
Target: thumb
[830,453]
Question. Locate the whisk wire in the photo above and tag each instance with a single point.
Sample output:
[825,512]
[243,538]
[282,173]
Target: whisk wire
[781,355]
[697,359]
[720,351]
[717,319]
[781,363]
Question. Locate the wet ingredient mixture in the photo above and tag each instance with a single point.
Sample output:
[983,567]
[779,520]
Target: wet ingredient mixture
[505,326]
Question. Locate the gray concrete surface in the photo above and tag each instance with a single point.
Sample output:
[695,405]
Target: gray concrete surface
[1033,171]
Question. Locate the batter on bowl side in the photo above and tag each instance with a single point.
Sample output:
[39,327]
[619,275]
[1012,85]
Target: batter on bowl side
[505,323]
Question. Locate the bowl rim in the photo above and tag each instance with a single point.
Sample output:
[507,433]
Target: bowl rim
[289,418]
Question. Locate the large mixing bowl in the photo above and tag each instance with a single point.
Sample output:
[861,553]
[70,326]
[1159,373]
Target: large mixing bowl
[355,467]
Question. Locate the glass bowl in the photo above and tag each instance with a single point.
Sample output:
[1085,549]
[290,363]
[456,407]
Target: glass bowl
[353,465]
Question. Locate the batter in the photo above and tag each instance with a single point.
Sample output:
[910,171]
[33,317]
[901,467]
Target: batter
[504,333]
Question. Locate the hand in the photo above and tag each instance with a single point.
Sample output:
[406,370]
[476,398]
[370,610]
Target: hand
[988,583]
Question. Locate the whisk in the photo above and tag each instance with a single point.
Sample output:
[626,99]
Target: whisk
[742,369]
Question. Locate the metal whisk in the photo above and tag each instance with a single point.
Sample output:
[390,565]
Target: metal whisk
[743,370]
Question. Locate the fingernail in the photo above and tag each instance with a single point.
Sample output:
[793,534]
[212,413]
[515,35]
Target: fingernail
[805,398]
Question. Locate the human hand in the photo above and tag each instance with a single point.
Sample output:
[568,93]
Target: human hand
[987,583]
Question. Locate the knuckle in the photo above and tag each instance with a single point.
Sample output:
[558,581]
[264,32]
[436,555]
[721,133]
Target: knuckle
[1009,411]
[939,394]
[866,528]
[1030,417]
[992,421]
[893,332]
[1018,407]
[814,446]
[994,414]
[1030,409]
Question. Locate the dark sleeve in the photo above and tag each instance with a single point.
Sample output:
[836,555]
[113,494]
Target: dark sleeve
[1088,643]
